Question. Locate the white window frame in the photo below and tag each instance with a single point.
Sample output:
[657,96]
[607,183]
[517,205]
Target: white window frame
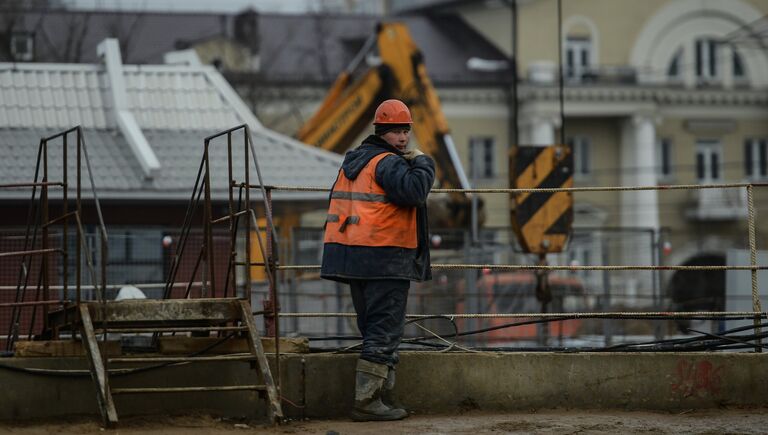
[756,159]
[482,157]
[581,147]
[708,150]
[706,55]
[664,151]
[22,38]
[578,57]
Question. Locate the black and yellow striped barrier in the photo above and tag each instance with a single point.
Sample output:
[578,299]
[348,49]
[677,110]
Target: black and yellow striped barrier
[542,220]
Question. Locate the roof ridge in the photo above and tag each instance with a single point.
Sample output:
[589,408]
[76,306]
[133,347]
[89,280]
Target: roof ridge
[244,113]
[50,66]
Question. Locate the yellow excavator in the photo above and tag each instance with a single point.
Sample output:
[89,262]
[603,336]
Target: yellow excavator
[351,102]
[542,221]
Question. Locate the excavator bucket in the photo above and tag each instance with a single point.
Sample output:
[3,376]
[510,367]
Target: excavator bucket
[542,221]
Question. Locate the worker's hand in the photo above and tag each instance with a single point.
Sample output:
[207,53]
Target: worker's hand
[411,154]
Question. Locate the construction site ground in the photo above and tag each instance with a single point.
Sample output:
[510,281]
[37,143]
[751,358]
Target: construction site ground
[718,421]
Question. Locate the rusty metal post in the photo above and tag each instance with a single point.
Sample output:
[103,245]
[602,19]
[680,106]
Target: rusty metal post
[272,305]
[65,224]
[247,164]
[44,220]
[232,223]
[80,235]
[207,217]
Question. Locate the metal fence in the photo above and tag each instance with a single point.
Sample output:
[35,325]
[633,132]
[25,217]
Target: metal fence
[483,293]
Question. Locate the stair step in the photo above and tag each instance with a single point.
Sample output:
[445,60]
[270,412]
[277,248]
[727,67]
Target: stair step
[181,329]
[238,357]
[188,389]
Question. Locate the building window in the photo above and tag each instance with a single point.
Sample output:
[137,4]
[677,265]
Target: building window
[756,158]
[136,256]
[578,57]
[738,65]
[706,56]
[739,69]
[22,46]
[708,160]
[481,157]
[581,147]
[673,70]
[664,159]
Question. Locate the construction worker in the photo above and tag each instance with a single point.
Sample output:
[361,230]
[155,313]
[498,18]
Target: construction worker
[376,241]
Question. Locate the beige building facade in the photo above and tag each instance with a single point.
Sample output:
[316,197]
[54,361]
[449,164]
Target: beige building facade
[658,92]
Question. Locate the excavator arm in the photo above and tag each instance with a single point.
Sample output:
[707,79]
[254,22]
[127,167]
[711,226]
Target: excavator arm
[345,112]
[350,104]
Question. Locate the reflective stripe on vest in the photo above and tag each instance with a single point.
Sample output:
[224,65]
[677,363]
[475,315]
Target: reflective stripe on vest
[360,213]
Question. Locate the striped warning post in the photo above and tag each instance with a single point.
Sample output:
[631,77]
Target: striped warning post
[542,221]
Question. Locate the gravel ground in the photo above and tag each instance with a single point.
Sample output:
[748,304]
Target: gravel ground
[724,421]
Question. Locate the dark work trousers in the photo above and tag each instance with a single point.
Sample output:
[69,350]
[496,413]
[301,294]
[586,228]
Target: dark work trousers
[380,306]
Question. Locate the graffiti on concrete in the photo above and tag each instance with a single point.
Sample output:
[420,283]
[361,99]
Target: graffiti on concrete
[696,378]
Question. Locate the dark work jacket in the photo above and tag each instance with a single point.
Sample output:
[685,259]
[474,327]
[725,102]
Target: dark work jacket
[406,183]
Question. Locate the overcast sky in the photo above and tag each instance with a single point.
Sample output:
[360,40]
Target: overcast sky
[282,6]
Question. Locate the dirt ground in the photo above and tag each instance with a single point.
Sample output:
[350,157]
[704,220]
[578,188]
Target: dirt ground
[725,421]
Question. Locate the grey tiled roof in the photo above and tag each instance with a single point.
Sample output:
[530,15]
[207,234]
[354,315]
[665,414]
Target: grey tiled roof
[166,97]
[64,95]
[117,173]
[113,164]
[37,96]
[176,107]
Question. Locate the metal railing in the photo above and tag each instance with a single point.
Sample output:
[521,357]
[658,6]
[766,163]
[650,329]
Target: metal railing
[756,314]
[272,266]
[37,237]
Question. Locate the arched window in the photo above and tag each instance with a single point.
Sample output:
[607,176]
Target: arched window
[710,52]
[578,55]
[581,46]
[711,59]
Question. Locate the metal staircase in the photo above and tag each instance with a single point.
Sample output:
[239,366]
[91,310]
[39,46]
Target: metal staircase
[171,316]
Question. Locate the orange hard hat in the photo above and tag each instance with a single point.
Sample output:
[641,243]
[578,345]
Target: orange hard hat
[392,112]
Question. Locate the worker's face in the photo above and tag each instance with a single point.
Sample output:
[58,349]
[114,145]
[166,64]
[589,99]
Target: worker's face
[398,138]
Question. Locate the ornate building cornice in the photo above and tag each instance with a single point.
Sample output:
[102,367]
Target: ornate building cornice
[658,95]
[647,94]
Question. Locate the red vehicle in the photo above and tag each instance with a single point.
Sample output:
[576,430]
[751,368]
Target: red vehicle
[514,293]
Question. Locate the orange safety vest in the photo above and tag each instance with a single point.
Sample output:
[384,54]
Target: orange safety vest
[360,213]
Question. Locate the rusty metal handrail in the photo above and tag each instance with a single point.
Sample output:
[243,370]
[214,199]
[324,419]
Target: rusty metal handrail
[44,223]
[753,267]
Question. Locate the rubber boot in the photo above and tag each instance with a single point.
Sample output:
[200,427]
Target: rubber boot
[387,396]
[369,382]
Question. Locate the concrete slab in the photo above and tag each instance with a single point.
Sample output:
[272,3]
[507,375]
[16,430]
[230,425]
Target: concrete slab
[321,385]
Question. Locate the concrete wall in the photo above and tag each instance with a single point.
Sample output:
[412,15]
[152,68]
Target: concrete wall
[321,385]
[32,396]
[431,383]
